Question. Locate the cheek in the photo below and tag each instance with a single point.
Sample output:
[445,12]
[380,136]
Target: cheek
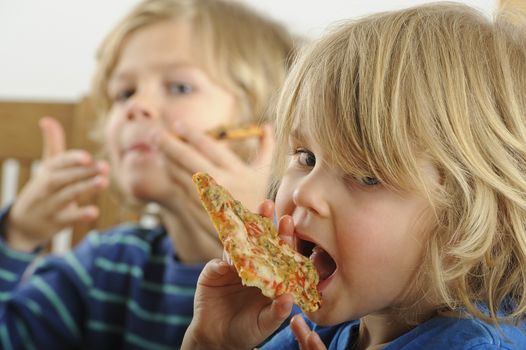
[111,138]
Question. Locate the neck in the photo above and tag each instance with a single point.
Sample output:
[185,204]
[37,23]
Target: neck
[378,330]
[195,239]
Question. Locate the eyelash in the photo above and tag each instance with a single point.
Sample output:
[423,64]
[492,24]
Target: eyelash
[299,153]
[123,95]
[368,181]
[188,88]
[180,89]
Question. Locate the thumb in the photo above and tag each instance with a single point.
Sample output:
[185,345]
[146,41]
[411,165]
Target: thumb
[53,138]
[266,147]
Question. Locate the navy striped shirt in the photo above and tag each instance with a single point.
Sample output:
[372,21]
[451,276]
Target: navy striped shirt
[121,289]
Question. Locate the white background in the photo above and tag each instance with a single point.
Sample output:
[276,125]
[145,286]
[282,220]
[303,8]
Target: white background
[47,48]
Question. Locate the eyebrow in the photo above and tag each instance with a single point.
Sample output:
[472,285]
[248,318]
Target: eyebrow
[125,74]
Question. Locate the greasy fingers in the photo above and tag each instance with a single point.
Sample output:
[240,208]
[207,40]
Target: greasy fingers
[307,339]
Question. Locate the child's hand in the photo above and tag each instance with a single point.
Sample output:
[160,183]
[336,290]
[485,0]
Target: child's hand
[307,339]
[200,152]
[228,315]
[47,203]
[285,224]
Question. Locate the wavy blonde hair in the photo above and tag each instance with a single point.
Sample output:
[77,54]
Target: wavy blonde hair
[240,49]
[446,83]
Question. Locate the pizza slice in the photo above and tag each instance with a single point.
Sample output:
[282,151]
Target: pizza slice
[236,133]
[260,257]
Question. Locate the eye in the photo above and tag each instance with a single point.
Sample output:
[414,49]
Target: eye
[180,88]
[369,180]
[305,157]
[124,95]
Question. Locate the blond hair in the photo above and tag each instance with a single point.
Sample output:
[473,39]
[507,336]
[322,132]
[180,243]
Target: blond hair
[446,83]
[241,50]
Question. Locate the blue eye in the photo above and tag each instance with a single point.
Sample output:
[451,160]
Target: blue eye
[369,180]
[305,157]
[180,88]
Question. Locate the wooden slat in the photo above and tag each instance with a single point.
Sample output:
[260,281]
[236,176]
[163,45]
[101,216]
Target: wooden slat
[19,130]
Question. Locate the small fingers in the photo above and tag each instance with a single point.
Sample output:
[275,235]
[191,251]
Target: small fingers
[70,159]
[182,154]
[307,339]
[211,149]
[286,230]
[218,273]
[266,209]
[73,214]
[73,192]
[68,176]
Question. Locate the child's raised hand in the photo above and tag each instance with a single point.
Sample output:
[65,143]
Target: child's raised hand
[47,203]
[307,339]
[199,152]
[228,315]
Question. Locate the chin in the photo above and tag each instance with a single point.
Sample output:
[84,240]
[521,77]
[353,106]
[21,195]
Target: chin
[331,314]
[322,318]
[139,191]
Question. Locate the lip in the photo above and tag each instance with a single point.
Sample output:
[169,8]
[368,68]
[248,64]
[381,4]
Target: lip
[299,238]
[139,147]
[322,285]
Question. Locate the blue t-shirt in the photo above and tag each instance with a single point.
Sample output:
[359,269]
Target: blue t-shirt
[439,333]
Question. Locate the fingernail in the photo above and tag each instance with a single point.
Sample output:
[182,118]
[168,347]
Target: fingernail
[102,166]
[90,212]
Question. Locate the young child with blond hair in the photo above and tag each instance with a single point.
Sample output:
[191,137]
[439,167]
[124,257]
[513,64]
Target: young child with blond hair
[167,74]
[402,157]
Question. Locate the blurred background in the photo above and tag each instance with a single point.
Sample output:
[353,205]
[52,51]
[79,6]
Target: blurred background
[47,58]
[47,48]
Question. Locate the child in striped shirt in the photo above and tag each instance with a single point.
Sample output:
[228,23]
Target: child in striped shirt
[168,73]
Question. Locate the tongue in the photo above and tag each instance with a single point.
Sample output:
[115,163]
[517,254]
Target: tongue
[322,262]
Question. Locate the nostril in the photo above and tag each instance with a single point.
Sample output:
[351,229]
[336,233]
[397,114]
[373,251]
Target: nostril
[138,113]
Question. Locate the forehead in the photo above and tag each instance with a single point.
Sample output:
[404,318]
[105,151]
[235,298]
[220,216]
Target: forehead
[157,46]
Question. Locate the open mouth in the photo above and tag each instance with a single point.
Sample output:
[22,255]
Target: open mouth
[323,262]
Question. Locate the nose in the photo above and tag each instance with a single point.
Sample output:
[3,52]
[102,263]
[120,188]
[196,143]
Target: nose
[312,193]
[141,108]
